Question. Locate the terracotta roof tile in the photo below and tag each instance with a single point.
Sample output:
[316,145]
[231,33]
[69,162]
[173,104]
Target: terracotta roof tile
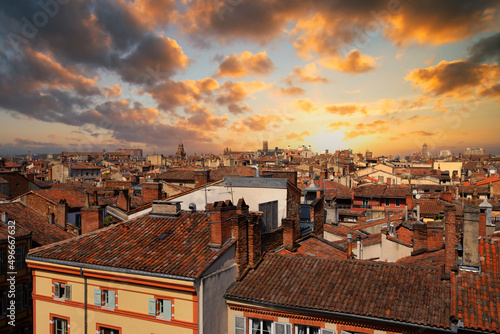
[374,289]
[135,245]
[316,247]
[43,232]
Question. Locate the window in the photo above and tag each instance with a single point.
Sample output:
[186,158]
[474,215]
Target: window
[269,215]
[327,331]
[20,256]
[106,329]
[105,298]
[239,325]
[387,202]
[366,202]
[258,326]
[398,202]
[161,308]
[2,261]
[281,328]
[300,329]
[78,220]
[62,291]
[60,326]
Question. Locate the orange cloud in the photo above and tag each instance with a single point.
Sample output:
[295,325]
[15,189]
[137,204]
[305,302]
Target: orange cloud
[337,125]
[458,78]
[347,109]
[171,94]
[353,63]
[364,129]
[203,119]
[307,75]
[289,91]
[256,123]
[305,105]
[246,63]
[299,137]
[112,91]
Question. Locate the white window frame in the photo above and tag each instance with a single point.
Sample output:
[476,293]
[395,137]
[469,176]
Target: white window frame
[327,331]
[288,327]
[307,328]
[65,329]
[250,323]
[244,324]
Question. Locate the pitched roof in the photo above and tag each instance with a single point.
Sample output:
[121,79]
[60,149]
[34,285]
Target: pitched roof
[433,259]
[42,231]
[475,296]
[316,247]
[373,289]
[135,245]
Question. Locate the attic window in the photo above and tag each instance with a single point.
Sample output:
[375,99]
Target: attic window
[163,236]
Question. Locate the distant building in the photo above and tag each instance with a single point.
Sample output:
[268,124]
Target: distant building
[180,155]
[425,151]
[471,151]
[445,153]
[133,152]
[265,146]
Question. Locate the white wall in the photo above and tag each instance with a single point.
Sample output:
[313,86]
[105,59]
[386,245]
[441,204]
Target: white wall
[252,196]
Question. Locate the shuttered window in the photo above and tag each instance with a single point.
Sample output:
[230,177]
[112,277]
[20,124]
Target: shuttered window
[269,215]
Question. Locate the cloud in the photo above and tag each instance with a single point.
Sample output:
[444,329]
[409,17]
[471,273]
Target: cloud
[298,137]
[307,75]
[234,92]
[422,133]
[305,105]
[458,78]
[337,125]
[257,123]
[172,94]
[113,91]
[246,63]
[364,129]
[289,91]
[357,91]
[493,91]
[203,119]
[353,63]
[347,109]
[486,49]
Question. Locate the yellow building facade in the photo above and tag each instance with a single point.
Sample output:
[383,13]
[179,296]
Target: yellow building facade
[81,300]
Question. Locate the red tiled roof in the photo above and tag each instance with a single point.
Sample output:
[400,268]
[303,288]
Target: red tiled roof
[135,245]
[43,232]
[433,259]
[341,230]
[373,289]
[475,296]
[316,247]
[74,196]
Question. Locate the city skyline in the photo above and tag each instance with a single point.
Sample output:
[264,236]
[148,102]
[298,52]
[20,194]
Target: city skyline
[387,76]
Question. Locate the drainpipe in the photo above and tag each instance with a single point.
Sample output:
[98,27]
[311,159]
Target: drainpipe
[85,299]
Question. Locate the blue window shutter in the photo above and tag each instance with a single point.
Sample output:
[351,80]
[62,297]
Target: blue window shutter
[97,297]
[152,306]
[111,299]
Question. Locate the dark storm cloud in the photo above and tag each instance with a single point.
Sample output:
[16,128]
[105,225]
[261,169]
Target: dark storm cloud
[486,49]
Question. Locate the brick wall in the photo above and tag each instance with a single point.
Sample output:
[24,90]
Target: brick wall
[282,174]
[92,219]
[272,240]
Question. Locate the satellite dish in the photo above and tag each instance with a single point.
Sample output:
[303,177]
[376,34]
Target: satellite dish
[414,191]
[417,196]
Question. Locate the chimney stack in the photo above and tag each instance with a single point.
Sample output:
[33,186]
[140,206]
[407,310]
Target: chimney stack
[450,240]
[289,234]
[240,233]
[201,177]
[220,222]
[471,236]
[91,218]
[419,238]
[123,201]
[349,246]
[254,239]
[62,213]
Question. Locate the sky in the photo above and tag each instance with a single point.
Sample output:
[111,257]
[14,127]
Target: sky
[379,75]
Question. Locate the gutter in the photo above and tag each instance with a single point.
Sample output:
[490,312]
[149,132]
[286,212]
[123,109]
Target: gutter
[373,320]
[112,269]
[85,299]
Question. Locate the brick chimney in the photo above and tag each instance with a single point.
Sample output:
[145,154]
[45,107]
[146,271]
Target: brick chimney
[201,177]
[254,239]
[434,236]
[30,177]
[49,177]
[240,233]
[151,191]
[123,201]
[242,207]
[289,234]
[450,260]
[471,236]
[318,216]
[220,222]
[91,218]
[62,213]
[419,238]
[482,224]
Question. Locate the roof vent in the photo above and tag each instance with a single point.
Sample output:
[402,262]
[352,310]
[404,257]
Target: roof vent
[192,206]
[162,236]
